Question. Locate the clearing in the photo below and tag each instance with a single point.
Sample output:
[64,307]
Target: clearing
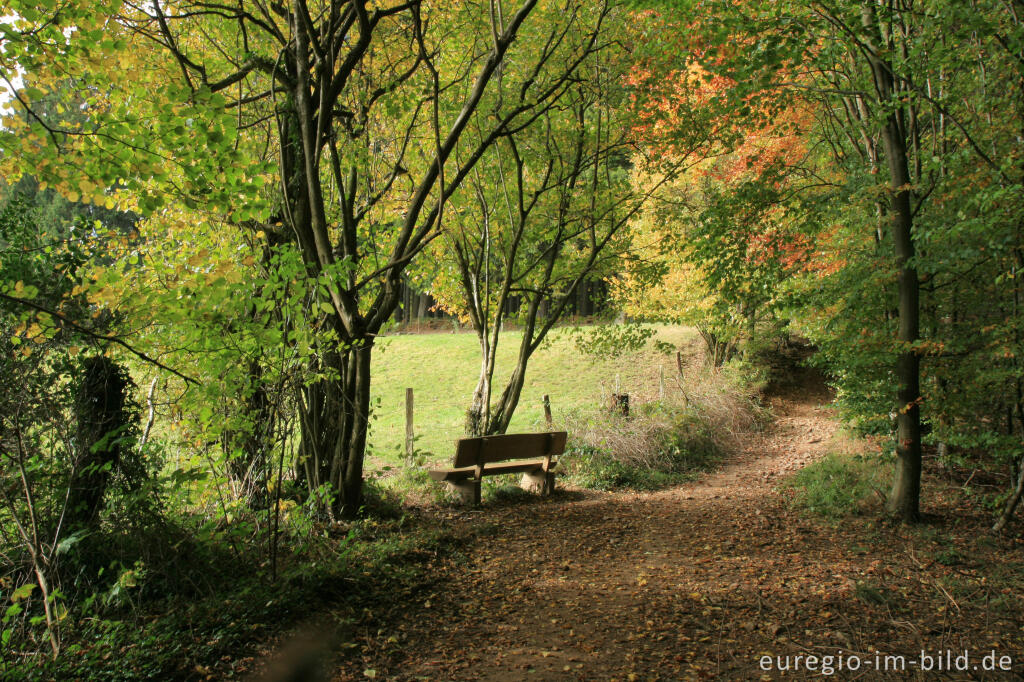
[442,370]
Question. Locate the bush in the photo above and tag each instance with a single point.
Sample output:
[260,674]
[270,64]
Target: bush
[658,445]
[599,470]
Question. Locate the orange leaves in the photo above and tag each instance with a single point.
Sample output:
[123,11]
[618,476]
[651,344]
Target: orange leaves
[671,105]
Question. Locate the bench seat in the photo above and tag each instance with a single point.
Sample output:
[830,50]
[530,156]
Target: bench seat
[462,473]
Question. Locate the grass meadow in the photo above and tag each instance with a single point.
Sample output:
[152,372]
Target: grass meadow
[442,369]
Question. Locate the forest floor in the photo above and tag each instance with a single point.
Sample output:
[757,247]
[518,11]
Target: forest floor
[703,580]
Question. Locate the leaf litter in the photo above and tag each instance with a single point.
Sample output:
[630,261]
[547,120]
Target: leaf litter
[700,581]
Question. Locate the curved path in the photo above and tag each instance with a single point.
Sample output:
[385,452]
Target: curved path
[615,585]
[695,582]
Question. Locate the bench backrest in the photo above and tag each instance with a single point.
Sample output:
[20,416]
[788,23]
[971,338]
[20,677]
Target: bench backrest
[487,449]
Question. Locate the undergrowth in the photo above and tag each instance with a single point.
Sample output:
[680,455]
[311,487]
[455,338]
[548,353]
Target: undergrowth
[212,627]
[838,485]
[663,442]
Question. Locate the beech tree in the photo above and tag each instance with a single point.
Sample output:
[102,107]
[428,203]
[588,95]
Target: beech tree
[902,243]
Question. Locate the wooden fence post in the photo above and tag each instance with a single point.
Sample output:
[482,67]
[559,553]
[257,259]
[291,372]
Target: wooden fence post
[409,436]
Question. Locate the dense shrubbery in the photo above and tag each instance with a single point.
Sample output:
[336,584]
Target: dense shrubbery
[102,518]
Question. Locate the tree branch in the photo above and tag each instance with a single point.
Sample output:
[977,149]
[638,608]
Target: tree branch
[99,337]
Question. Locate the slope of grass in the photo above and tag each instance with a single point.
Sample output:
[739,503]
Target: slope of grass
[442,369]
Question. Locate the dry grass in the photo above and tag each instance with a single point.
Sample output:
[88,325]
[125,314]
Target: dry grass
[724,402]
[701,418]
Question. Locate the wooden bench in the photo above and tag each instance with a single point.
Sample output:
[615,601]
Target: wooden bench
[533,454]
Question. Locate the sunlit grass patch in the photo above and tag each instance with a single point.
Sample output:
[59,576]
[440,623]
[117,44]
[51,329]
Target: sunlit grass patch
[840,484]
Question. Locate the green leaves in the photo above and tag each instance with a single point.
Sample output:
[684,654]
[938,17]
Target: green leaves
[611,340]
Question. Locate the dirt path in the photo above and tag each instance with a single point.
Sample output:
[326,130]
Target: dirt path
[694,582]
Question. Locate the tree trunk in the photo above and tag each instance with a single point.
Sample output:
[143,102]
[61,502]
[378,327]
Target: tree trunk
[501,413]
[479,413]
[904,500]
[422,309]
[719,351]
[906,492]
[103,416]
[581,299]
[334,421]
[1011,504]
[320,420]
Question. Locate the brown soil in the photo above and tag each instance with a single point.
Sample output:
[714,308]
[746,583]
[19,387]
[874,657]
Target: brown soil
[702,580]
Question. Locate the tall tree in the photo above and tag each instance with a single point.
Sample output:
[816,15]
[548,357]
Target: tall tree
[905,113]
[547,212]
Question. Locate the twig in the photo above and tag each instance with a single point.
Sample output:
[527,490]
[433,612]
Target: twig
[151,417]
[969,479]
[948,596]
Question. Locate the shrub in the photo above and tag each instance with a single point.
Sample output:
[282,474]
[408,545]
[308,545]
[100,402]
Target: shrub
[656,446]
[600,470]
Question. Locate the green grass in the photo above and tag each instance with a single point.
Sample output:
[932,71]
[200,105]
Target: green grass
[838,485]
[442,369]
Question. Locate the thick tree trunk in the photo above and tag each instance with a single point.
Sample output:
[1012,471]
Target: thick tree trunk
[904,499]
[906,491]
[334,422]
[103,416]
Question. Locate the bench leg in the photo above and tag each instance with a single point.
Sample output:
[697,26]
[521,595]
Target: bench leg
[538,482]
[468,491]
